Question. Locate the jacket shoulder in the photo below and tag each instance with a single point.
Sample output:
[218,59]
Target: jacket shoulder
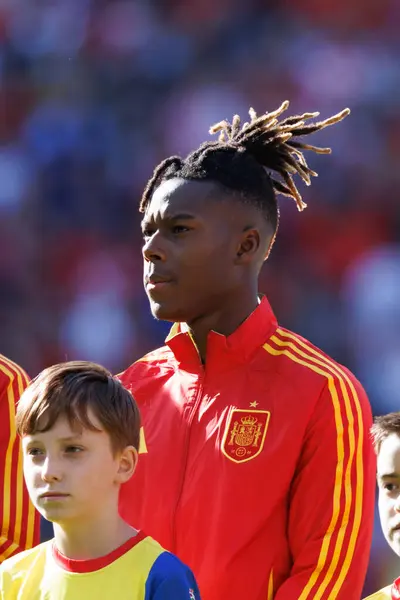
[301,356]
[154,361]
[11,371]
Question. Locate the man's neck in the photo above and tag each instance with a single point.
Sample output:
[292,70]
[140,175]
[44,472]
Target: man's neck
[88,540]
[225,322]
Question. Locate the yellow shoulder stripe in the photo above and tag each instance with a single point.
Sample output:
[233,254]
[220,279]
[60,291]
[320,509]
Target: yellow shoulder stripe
[142,442]
[271,586]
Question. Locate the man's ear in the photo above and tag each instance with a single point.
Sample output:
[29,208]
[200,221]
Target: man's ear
[128,460]
[249,246]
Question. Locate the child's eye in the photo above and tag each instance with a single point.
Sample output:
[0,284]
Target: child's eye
[73,449]
[390,487]
[35,452]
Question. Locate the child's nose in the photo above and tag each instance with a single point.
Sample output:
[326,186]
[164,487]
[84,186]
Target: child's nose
[51,470]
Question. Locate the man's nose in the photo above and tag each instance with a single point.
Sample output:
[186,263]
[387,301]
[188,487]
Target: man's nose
[154,250]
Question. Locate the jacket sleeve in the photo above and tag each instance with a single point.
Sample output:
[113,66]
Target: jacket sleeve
[19,522]
[332,497]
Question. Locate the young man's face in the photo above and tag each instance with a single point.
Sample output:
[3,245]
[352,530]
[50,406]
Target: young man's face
[67,472]
[191,234]
[389,490]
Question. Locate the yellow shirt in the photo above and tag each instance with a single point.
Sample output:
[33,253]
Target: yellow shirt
[139,570]
[383,594]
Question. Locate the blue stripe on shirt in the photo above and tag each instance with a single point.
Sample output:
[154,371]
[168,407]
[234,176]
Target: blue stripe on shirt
[170,579]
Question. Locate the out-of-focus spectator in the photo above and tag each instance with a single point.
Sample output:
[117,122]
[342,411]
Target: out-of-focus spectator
[372,304]
[97,322]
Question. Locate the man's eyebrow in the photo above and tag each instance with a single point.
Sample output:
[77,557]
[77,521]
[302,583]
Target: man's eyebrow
[170,217]
[176,216]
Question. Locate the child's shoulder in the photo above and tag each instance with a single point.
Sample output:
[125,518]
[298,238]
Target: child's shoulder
[164,561]
[169,577]
[383,594]
[21,560]
[168,563]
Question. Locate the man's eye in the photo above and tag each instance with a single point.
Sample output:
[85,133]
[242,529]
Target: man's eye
[179,229]
[146,233]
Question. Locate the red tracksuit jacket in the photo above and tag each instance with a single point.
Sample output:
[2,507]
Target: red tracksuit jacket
[19,522]
[257,470]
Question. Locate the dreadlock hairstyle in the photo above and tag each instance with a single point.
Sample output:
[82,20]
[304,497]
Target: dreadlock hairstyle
[245,155]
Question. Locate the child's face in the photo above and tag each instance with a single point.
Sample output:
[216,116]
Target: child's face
[73,475]
[389,490]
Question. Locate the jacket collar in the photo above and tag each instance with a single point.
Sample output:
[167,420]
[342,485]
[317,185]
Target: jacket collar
[225,350]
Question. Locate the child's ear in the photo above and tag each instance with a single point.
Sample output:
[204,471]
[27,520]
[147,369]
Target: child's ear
[127,464]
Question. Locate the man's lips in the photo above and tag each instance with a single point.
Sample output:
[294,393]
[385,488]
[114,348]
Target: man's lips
[157,285]
[156,279]
[157,282]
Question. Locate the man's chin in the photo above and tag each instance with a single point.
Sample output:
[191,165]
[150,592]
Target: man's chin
[161,312]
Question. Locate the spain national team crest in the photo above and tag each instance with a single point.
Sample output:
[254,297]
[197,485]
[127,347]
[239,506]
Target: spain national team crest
[245,434]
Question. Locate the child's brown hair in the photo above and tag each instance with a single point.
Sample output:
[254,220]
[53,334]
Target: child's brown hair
[69,390]
[384,426]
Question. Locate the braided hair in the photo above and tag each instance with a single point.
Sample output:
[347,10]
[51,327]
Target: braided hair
[255,161]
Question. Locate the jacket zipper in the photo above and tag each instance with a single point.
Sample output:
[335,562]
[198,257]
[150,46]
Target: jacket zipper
[186,457]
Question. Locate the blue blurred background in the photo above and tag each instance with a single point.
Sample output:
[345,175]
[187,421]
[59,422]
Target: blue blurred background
[93,94]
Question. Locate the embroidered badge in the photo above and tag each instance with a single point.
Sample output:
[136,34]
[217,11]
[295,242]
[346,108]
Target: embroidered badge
[245,433]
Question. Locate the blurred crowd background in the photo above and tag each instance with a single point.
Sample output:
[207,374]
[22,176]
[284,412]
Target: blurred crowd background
[94,93]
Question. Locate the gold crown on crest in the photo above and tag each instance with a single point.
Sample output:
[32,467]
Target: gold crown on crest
[249,420]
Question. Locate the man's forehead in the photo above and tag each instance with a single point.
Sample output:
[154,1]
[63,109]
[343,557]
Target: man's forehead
[170,187]
[177,194]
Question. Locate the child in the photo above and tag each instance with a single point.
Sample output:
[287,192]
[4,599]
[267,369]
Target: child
[80,432]
[386,439]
